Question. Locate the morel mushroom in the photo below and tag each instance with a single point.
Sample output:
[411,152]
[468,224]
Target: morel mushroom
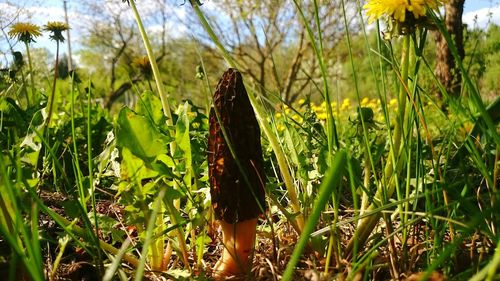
[237,185]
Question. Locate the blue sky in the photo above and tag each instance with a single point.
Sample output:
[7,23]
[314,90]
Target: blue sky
[472,5]
[482,8]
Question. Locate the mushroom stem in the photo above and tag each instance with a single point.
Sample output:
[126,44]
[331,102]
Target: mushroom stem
[238,240]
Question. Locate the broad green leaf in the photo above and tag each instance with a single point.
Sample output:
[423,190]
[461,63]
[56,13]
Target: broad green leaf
[291,146]
[296,148]
[173,194]
[164,165]
[71,208]
[149,105]
[139,135]
[134,169]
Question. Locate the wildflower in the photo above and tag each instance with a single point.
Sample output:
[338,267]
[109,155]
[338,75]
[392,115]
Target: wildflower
[346,104]
[373,104]
[56,27]
[322,116]
[399,9]
[25,31]
[301,101]
[365,101]
[402,16]
[144,66]
[297,118]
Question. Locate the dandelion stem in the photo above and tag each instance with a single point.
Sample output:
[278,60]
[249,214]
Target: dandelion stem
[388,183]
[53,94]
[32,80]
[154,65]
[166,111]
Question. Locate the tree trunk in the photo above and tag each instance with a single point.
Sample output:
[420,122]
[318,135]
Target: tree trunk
[446,69]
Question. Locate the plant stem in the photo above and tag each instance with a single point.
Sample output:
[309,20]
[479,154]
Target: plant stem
[330,182]
[129,258]
[63,242]
[393,165]
[53,94]
[30,64]
[165,105]
[331,129]
[154,66]
[238,240]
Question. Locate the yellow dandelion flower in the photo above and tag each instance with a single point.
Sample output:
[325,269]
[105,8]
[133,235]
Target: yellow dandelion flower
[301,101]
[56,27]
[277,115]
[141,61]
[297,118]
[25,31]
[346,104]
[365,101]
[281,127]
[322,116]
[144,66]
[372,104]
[397,9]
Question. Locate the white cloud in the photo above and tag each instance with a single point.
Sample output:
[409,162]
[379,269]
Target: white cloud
[482,17]
[35,14]
[174,29]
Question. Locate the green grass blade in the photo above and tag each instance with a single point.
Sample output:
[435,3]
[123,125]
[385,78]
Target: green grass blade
[330,183]
[318,51]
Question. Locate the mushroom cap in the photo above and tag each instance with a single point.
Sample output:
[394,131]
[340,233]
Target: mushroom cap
[236,187]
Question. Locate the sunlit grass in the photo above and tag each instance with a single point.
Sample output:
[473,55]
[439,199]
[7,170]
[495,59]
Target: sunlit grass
[376,185]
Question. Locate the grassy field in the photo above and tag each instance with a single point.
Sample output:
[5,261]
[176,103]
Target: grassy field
[395,185]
